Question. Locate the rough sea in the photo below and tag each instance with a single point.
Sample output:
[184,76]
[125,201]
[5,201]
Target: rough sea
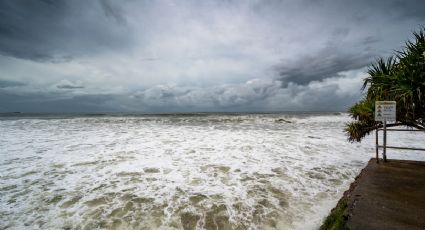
[179,171]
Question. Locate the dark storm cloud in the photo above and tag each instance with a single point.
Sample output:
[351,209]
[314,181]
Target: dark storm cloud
[366,9]
[68,86]
[340,54]
[150,56]
[326,63]
[50,103]
[369,40]
[111,9]
[6,84]
[405,9]
[60,30]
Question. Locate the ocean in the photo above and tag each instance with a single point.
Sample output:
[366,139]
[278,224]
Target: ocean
[179,171]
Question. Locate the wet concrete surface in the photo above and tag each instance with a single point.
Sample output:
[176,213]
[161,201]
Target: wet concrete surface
[388,195]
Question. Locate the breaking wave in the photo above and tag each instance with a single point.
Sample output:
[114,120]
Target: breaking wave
[190,171]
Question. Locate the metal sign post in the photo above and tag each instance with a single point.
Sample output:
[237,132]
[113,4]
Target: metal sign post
[377,146]
[384,153]
[384,111]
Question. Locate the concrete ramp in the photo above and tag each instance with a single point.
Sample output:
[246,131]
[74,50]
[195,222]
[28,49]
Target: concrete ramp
[388,196]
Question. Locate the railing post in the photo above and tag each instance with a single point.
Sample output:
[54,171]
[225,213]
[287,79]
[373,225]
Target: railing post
[385,141]
[376,147]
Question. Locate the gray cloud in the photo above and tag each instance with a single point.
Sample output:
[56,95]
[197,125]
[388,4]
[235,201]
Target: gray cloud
[332,94]
[60,30]
[111,9]
[6,84]
[69,86]
[48,103]
[160,56]
[405,9]
[326,63]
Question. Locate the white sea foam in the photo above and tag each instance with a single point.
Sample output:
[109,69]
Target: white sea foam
[172,172]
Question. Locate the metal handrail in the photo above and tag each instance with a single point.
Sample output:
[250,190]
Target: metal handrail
[393,147]
[407,130]
[400,147]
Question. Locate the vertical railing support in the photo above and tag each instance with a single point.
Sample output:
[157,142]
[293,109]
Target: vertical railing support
[384,154]
[376,147]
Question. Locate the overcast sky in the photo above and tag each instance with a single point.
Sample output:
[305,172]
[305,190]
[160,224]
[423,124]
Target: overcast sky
[194,56]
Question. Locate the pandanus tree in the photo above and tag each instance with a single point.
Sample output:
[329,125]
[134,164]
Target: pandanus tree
[399,78]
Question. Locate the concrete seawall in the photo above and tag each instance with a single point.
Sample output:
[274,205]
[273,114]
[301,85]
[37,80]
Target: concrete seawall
[387,195]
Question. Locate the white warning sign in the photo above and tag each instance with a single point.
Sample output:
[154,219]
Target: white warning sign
[385,110]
